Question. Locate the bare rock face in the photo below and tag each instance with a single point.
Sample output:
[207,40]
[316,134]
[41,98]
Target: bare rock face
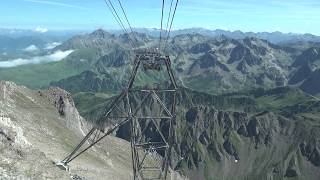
[200,48]
[311,85]
[293,169]
[6,136]
[20,159]
[34,134]
[248,145]
[311,152]
[65,106]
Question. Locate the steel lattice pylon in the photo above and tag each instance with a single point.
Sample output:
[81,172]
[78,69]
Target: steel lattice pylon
[151,129]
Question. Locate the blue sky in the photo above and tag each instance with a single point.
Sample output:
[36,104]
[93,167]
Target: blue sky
[298,16]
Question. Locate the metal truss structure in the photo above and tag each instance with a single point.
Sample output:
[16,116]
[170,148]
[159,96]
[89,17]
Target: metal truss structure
[150,114]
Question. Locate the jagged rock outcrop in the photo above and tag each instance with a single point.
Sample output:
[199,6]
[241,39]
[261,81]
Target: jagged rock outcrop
[232,136]
[202,63]
[65,106]
[311,152]
[300,74]
[293,169]
[306,70]
[210,61]
[214,141]
[308,57]
[33,136]
[115,59]
[99,39]
[200,48]
[251,62]
[311,84]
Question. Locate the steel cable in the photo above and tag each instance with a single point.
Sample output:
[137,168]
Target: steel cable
[168,34]
[167,26]
[127,19]
[118,19]
[161,25]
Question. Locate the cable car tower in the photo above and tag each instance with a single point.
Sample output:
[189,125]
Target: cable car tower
[149,112]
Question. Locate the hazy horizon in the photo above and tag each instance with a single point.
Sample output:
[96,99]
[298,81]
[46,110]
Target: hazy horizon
[287,16]
[46,30]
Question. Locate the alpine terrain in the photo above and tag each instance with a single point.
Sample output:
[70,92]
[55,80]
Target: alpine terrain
[247,106]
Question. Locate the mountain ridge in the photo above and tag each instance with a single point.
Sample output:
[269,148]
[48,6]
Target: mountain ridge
[228,62]
[37,130]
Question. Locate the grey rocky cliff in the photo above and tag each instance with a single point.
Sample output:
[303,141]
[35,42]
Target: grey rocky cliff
[219,143]
[64,103]
[34,135]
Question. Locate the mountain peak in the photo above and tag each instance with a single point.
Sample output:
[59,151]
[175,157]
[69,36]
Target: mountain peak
[314,51]
[7,87]
[308,56]
[100,33]
[136,36]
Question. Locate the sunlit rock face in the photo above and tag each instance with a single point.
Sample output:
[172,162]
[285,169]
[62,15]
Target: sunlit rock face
[34,134]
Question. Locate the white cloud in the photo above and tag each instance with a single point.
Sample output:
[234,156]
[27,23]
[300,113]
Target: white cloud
[52,45]
[31,48]
[56,4]
[41,29]
[56,56]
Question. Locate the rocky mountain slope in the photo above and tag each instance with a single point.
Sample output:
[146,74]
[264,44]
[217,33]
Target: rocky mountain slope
[306,70]
[274,37]
[223,64]
[244,107]
[37,130]
[264,134]
[214,65]
[255,135]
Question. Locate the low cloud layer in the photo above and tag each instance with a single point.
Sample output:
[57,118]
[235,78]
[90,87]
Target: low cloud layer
[41,29]
[52,45]
[56,56]
[31,48]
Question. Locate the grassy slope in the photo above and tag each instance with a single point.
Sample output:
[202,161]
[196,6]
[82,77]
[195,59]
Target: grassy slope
[281,100]
[40,75]
[37,76]
[86,102]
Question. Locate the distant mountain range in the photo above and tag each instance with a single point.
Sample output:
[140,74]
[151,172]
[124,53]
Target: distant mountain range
[246,106]
[203,63]
[43,32]
[13,41]
[273,37]
[243,129]
[213,64]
